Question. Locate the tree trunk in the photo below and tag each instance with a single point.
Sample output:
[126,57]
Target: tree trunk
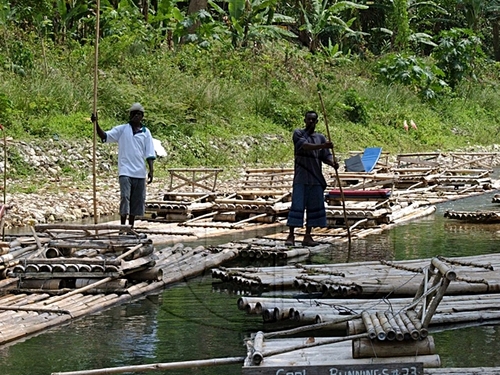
[196,6]
[304,37]
[145,9]
[496,38]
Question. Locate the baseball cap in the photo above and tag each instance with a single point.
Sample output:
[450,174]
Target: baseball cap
[136,107]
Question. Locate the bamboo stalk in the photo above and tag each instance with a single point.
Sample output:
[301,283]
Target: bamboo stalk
[80,290]
[336,172]
[3,208]
[370,328]
[314,344]
[35,309]
[157,366]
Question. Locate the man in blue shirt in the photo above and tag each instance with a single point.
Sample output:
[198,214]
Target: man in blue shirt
[311,149]
[135,144]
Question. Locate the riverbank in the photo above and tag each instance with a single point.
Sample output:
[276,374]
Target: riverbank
[58,181]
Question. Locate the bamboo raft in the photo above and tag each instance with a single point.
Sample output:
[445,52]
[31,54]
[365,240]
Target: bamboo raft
[396,336]
[474,217]
[376,336]
[66,272]
[263,195]
[478,274]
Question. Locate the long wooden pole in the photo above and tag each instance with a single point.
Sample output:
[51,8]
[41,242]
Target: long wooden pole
[94,110]
[157,366]
[336,171]
[2,212]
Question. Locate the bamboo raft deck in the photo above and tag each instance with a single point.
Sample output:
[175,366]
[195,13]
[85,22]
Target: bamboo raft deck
[478,274]
[263,195]
[89,272]
[474,217]
[64,273]
[382,340]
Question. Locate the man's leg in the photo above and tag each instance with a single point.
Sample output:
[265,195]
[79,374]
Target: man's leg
[137,199]
[290,240]
[296,213]
[131,220]
[316,214]
[125,189]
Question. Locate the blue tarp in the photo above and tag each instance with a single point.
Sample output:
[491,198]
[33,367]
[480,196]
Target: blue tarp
[364,163]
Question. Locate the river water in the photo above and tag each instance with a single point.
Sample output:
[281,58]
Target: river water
[198,320]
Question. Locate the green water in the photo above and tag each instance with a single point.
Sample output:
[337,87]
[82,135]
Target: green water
[195,320]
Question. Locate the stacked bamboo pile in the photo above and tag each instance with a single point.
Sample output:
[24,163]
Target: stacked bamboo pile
[374,214]
[172,211]
[263,195]
[59,258]
[475,217]
[396,332]
[275,180]
[479,274]
[90,268]
[438,177]
[261,248]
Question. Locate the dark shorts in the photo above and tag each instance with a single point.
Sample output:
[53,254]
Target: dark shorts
[308,198]
[132,196]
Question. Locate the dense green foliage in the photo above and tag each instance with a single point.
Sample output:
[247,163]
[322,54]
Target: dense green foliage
[227,84]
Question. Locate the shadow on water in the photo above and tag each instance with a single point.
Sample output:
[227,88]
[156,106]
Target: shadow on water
[197,320]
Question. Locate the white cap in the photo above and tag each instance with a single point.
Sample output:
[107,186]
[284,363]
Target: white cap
[136,107]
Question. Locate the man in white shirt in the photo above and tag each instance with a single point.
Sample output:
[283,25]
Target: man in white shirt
[135,144]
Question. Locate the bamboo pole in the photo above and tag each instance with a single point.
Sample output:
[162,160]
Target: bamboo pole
[80,290]
[336,172]
[4,178]
[157,366]
[94,110]
[34,309]
[328,341]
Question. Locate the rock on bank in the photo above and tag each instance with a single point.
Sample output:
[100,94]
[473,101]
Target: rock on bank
[52,180]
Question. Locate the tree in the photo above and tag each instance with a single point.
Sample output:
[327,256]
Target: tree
[400,25]
[252,20]
[457,54]
[320,19]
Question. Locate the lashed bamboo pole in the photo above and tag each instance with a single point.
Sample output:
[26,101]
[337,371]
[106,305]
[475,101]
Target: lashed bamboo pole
[80,290]
[94,110]
[35,309]
[336,172]
[314,344]
[4,179]
[157,366]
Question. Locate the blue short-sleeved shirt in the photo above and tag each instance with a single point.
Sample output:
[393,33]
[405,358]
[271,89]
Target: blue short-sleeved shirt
[308,162]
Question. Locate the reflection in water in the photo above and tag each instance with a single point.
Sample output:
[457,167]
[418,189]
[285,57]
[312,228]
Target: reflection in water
[197,320]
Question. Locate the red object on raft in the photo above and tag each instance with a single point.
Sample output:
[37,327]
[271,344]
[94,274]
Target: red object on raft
[359,194]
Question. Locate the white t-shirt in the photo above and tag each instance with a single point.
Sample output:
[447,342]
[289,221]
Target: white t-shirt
[132,149]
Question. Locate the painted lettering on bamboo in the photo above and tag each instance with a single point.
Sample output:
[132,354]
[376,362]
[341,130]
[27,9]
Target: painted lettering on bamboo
[403,371]
[284,372]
